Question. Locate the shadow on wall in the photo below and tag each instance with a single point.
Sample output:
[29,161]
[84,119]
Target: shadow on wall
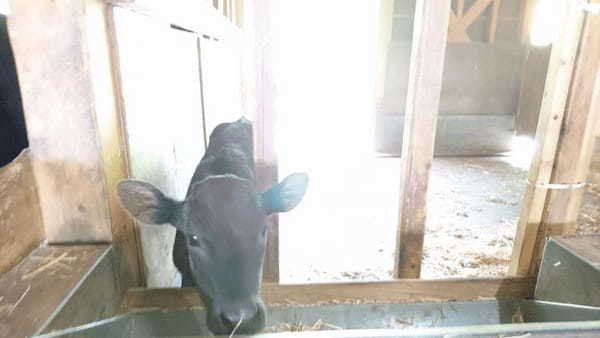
[13,134]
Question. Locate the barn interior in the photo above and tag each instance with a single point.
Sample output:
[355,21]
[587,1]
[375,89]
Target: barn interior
[451,147]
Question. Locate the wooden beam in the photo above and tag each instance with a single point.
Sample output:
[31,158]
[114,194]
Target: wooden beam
[20,215]
[460,8]
[456,35]
[239,13]
[493,21]
[221,6]
[386,19]
[400,291]
[558,80]
[126,238]
[576,142]
[472,14]
[265,155]
[197,16]
[232,9]
[458,30]
[422,105]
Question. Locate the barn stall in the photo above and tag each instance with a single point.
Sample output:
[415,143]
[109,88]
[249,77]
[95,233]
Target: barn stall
[86,105]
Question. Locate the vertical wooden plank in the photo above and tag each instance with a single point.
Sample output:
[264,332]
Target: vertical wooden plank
[459,24]
[264,129]
[576,142]
[493,21]
[232,8]
[422,105]
[558,79]
[239,13]
[59,106]
[386,19]
[221,6]
[460,8]
[116,153]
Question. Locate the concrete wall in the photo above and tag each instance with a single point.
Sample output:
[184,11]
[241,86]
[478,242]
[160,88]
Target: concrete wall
[480,90]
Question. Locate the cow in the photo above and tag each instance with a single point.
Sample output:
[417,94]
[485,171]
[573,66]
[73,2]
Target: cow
[221,227]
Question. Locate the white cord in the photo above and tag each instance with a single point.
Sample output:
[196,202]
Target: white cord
[558,186]
[237,326]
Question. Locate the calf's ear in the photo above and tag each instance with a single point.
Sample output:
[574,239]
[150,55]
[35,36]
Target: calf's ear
[286,195]
[146,203]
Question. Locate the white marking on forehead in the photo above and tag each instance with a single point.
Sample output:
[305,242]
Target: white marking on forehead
[195,237]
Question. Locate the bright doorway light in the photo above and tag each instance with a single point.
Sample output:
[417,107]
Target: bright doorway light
[547,17]
[523,148]
[4,7]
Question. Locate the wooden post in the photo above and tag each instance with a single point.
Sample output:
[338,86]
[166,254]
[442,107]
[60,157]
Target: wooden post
[493,21]
[460,24]
[576,142]
[239,13]
[422,105]
[558,80]
[264,129]
[460,8]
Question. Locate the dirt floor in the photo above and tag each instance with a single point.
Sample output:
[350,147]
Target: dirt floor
[345,228]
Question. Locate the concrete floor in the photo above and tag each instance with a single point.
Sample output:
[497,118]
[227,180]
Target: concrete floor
[345,229]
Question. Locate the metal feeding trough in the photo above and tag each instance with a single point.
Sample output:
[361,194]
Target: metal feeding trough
[482,318]
[567,304]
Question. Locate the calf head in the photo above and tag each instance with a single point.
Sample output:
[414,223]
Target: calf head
[224,222]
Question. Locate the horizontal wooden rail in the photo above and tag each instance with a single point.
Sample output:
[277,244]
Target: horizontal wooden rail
[398,291]
[197,16]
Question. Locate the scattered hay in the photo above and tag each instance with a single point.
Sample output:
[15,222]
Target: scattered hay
[50,262]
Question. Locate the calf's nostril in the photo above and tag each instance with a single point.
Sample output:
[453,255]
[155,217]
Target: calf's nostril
[231,319]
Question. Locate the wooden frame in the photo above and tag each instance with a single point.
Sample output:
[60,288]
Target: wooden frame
[547,166]
[418,161]
[565,137]
[196,16]
[265,155]
[337,293]
[461,20]
[422,105]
